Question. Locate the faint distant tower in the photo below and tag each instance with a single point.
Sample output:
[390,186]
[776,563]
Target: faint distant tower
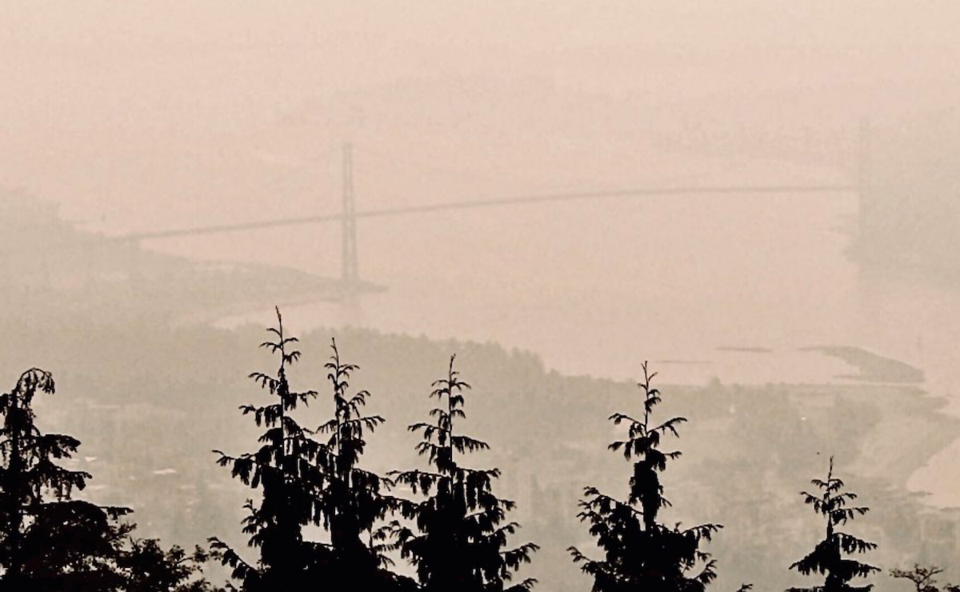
[350,273]
[866,214]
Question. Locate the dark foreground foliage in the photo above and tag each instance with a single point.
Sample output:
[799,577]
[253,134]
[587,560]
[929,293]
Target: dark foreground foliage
[455,534]
[305,482]
[639,553]
[461,538]
[353,500]
[923,578]
[828,558]
[51,542]
[287,468]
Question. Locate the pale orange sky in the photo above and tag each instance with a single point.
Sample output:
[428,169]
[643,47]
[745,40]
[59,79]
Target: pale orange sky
[103,97]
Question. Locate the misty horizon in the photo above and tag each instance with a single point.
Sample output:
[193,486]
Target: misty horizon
[759,198]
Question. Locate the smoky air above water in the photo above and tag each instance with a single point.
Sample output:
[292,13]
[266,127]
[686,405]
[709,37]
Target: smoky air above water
[761,199]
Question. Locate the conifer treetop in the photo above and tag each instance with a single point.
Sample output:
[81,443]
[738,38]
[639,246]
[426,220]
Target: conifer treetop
[827,558]
[46,536]
[462,524]
[348,423]
[639,552]
[353,501]
[289,469]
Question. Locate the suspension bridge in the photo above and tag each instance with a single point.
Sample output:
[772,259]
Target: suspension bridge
[349,215]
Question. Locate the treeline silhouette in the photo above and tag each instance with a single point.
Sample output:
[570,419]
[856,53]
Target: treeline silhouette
[317,519]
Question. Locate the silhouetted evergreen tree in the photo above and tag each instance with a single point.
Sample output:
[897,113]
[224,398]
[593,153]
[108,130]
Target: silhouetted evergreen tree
[352,499]
[639,553]
[148,567]
[49,541]
[462,529]
[288,468]
[827,558]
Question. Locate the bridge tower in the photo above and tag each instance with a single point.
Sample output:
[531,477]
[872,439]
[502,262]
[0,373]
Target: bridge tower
[349,273]
[865,214]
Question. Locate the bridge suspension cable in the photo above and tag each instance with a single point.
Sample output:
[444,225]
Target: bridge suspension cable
[494,202]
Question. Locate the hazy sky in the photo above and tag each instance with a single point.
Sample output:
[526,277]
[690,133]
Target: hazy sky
[157,114]
[145,115]
[171,101]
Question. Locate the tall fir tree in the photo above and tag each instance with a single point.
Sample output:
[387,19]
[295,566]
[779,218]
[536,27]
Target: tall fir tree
[354,499]
[49,541]
[639,552]
[828,557]
[288,468]
[462,525]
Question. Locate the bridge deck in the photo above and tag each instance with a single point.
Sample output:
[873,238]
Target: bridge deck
[497,202]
